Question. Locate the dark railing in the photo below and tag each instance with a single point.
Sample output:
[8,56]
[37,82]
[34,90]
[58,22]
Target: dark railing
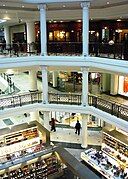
[108,50]
[115,50]
[110,107]
[20,100]
[65,98]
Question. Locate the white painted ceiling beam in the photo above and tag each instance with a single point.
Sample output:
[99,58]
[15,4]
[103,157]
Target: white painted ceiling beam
[53,1]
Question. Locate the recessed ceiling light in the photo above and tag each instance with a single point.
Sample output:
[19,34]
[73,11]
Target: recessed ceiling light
[64,6]
[6,18]
[118,20]
[61,21]
[23,6]
[108,2]
[3,4]
[78,20]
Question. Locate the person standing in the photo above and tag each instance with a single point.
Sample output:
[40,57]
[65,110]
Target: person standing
[78,127]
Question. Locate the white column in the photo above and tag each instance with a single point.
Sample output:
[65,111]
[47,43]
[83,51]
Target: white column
[84,86]
[43,29]
[30,35]
[45,84]
[46,120]
[33,80]
[30,32]
[99,122]
[54,78]
[7,34]
[84,130]
[34,116]
[114,84]
[103,79]
[85,28]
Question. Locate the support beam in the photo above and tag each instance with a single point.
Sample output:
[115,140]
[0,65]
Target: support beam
[85,28]
[43,29]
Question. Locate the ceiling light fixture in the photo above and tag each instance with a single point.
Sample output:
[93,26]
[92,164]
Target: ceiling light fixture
[2,20]
[22,6]
[118,20]
[3,4]
[64,6]
[108,2]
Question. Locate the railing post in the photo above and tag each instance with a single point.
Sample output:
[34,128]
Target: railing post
[20,100]
[112,110]
[118,113]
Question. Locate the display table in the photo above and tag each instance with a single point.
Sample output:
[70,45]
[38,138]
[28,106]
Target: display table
[104,164]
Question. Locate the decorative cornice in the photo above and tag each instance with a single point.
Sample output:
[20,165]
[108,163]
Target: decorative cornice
[42,6]
[85,4]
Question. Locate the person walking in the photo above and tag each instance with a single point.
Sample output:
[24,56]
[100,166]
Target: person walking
[78,127]
[53,124]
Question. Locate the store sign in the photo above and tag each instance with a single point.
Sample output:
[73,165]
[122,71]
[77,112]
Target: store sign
[125,84]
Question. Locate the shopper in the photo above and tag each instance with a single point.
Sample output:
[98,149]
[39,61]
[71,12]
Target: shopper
[53,124]
[78,127]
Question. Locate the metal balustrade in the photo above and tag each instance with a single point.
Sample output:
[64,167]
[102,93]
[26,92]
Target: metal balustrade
[20,100]
[65,98]
[106,50]
[110,107]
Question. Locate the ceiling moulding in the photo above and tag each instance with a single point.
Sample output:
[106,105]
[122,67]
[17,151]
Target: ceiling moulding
[53,1]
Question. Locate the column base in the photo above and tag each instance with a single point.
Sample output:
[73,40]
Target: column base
[84,146]
[33,91]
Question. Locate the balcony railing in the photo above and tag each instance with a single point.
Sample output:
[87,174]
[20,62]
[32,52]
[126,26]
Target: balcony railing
[20,100]
[113,108]
[115,50]
[110,107]
[65,98]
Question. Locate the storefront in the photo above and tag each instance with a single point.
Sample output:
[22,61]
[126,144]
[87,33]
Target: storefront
[123,86]
[112,160]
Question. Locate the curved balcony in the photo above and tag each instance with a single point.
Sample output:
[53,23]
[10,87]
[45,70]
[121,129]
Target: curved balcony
[116,109]
[106,50]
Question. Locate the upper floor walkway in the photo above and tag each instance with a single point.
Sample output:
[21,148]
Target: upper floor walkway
[105,50]
[72,63]
[97,105]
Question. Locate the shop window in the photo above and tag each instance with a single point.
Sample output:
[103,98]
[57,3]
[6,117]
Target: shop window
[125,84]
[59,35]
[50,36]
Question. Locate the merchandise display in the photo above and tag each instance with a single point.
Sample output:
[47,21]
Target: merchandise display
[41,169]
[20,154]
[104,164]
[18,144]
[116,148]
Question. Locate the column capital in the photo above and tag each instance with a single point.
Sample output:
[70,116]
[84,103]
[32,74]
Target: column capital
[85,4]
[42,6]
[85,69]
[44,68]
